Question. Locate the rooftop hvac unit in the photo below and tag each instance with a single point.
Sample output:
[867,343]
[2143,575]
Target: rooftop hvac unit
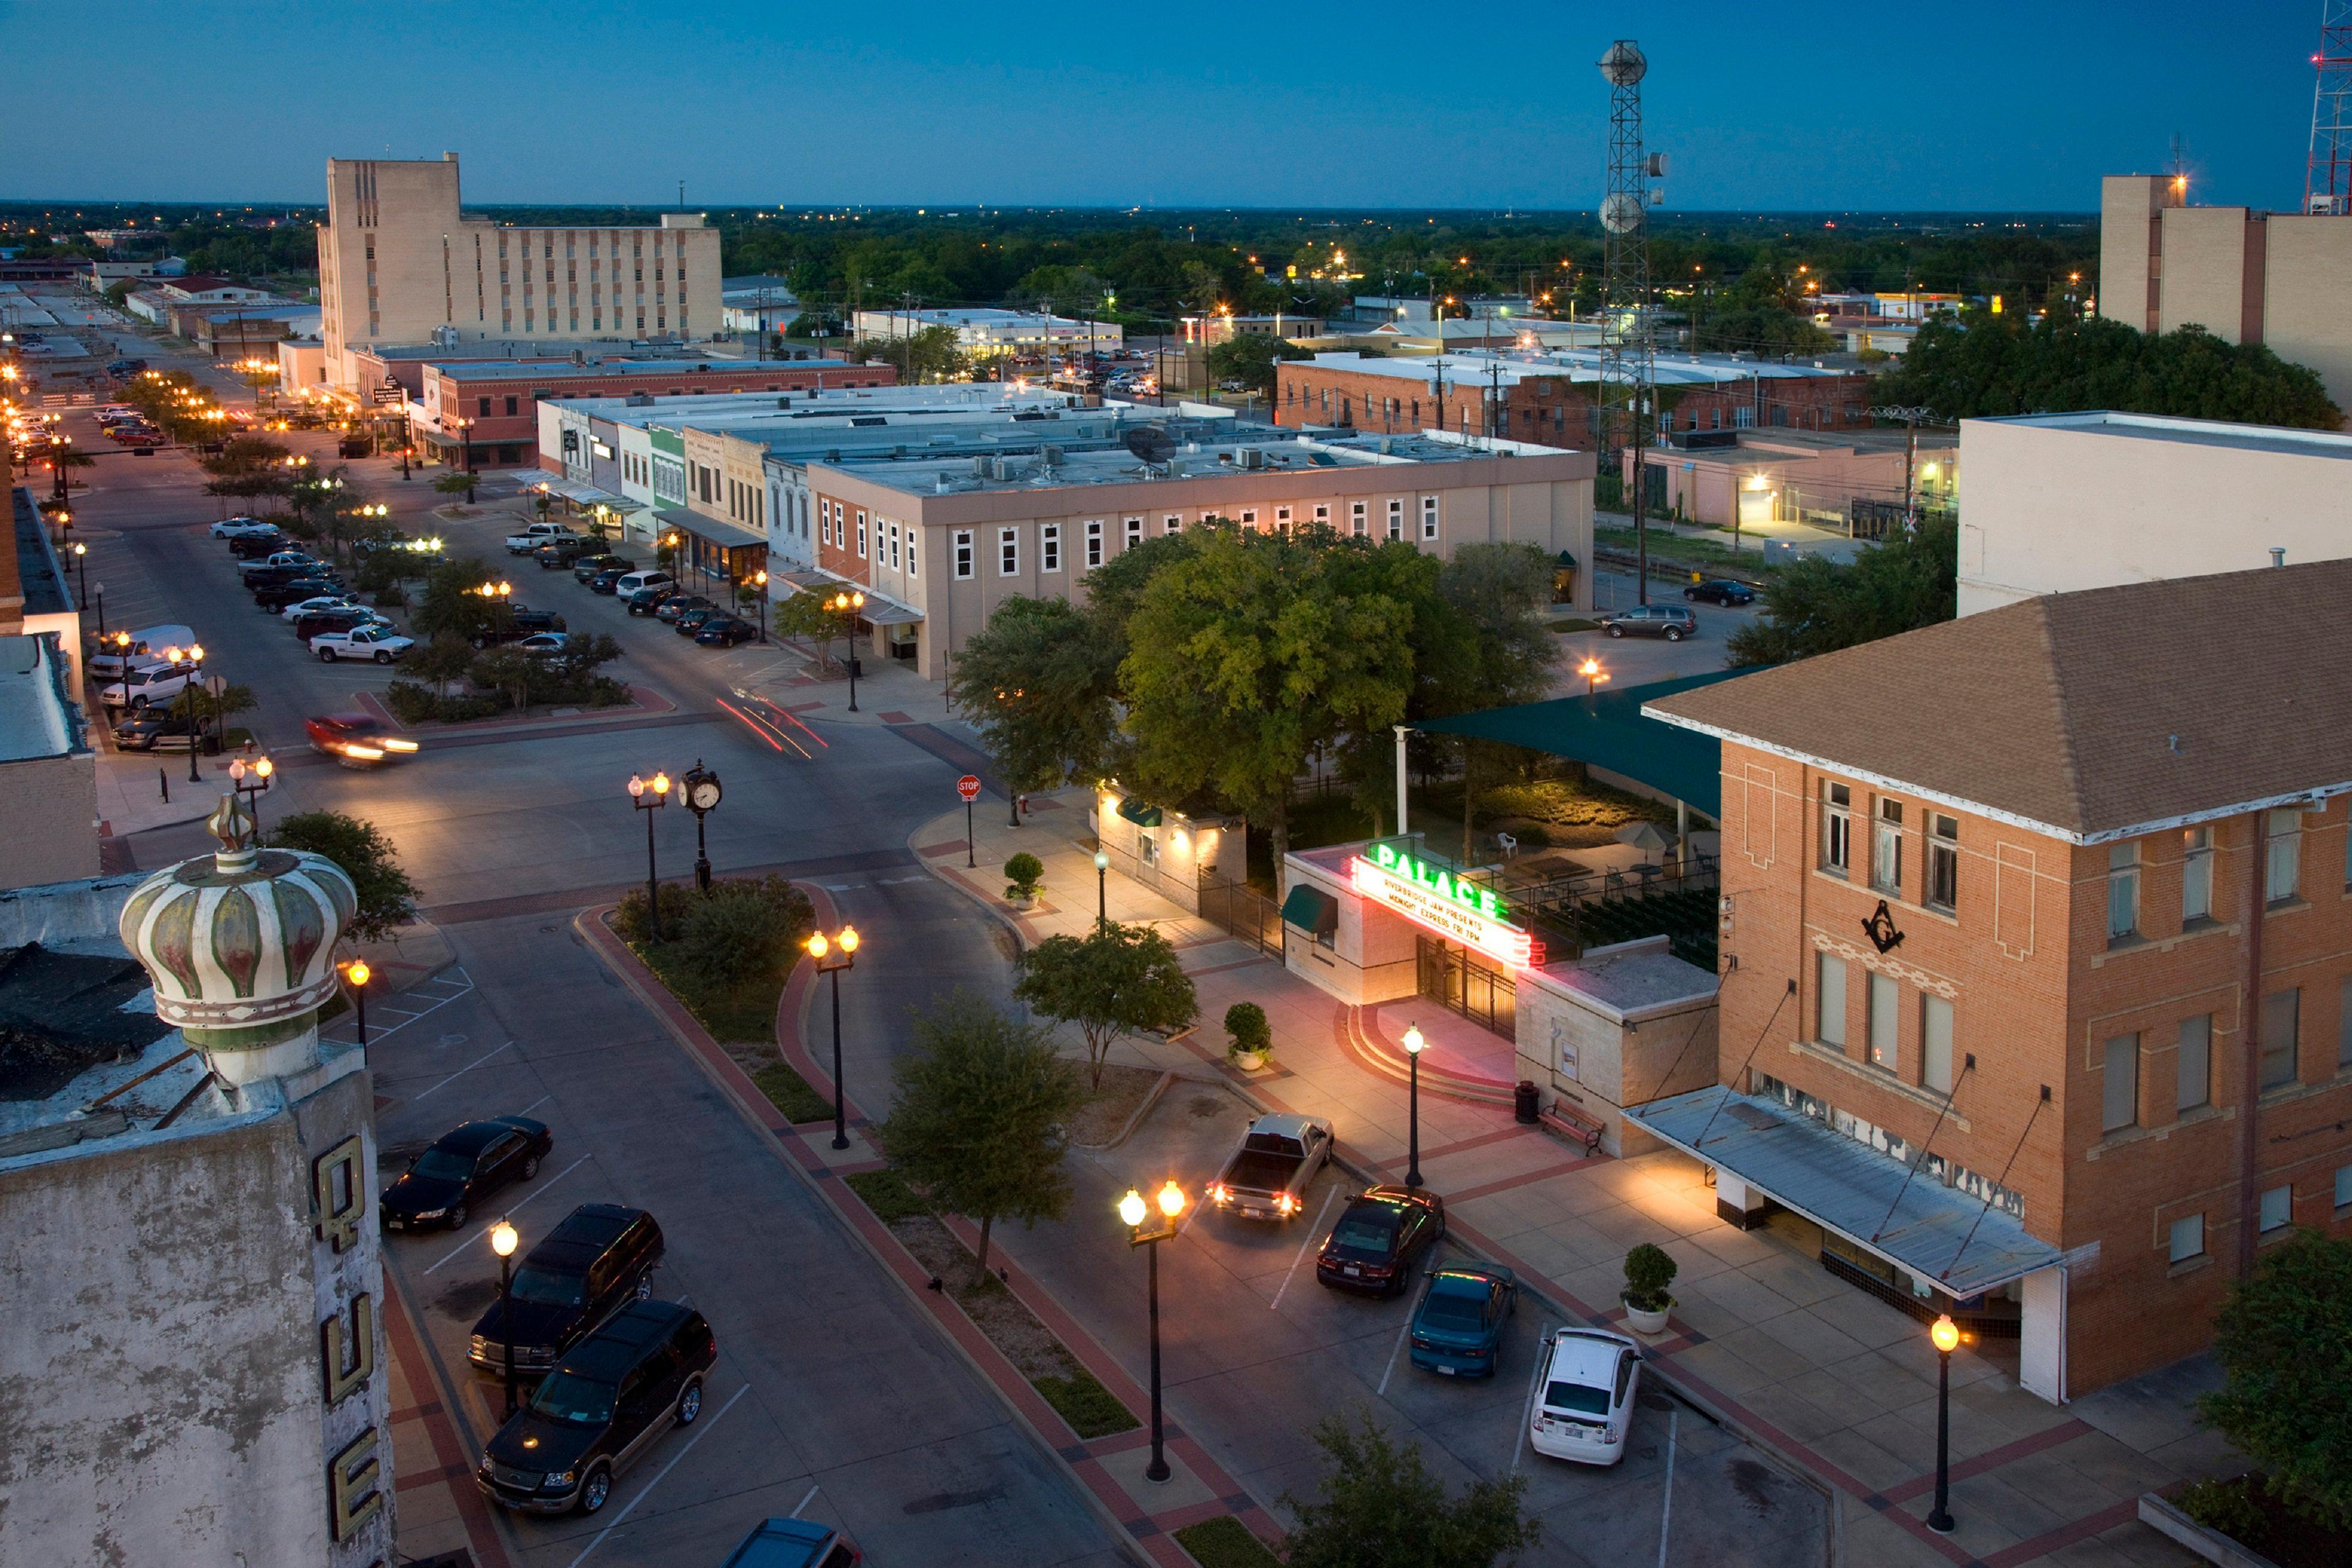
[1252,457]
[980,466]
[1000,468]
[1051,456]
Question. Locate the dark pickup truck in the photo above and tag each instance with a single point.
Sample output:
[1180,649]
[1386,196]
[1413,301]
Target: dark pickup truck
[1267,1176]
[527,623]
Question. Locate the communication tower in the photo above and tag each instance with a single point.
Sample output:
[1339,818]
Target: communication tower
[2327,181]
[1627,407]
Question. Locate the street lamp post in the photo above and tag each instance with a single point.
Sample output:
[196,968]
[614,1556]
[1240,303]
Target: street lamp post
[1170,1203]
[650,795]
[356,974]
[101,612]
[832,957]
[760,581]
[701,788]
[81,571]
[1594,676]
[194,655]
[504,1240]
[262,770]
[1102,890]
[1946,1336]
[1413,1045]
[847,605]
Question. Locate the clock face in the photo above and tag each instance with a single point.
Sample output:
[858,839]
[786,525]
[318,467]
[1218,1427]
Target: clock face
[706,794]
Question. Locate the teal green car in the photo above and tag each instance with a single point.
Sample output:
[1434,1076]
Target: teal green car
[1457,1329]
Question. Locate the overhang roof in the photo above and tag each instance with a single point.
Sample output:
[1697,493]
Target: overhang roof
[1609,729]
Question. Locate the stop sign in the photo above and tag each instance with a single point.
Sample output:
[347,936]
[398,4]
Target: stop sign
[967,787]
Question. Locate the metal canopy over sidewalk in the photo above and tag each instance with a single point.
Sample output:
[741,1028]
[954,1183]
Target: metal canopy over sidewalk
[710,530]
[1924,1227]
[585,495]
[1609,731]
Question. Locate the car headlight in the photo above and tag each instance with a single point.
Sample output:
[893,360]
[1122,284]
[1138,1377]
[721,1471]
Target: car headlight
[430,1213]
[559,1481]
[479,1344]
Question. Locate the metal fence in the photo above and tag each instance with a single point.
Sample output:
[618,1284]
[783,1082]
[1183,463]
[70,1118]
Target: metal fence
[1247,914]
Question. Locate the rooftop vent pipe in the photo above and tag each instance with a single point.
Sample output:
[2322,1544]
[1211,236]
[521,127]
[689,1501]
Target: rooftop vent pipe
[2278,555]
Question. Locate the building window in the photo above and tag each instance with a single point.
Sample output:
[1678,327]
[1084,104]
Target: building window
[1885,998]
[2119,1095]
[1829,1006]
[2282,871]
[484,404]
[861,536]
[2193,1064]
[2343,1025]
[1837,828]
[1936,1043]
[1886,848]
[1357,524]
[910,549]
[2195,875]
[1094,545]
[1943,861]
[2277,1209]
[1322,515]
[894,545]
[1008,551]
[2344,1186]
[1172,523]
[1282,518]
[2123,891]
[1396,520]
[962,553]
[1049,547]
[1428,518]
[2188,1238]
[1134,531]
[510,408]
[2281,1023]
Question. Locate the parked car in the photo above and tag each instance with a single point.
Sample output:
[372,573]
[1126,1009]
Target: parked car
[607,581]
[126,366]
[546,645]
[725,631]
[119,651]
[253,548]
[539,534]
[381,644]
[557,553]
[1268,1174]
[260,577]
[273,597]
[1589,1381]
[1380,1236]
[147,684]
[464,1166]
[320,622]
[155,730]
[1457,1329]
[1671,622]
[630,581]
[691,621]
[356,739]
[669,609]
[588,566]
[317,602]
[793,1543]
[277,559]
[1721,591]
[646,601]
[599,1258]
[600,1410]
[243,528]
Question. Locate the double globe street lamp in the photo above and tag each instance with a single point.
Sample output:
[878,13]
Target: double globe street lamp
[847,605]
[1170,1200]
[833,954]
[650,795]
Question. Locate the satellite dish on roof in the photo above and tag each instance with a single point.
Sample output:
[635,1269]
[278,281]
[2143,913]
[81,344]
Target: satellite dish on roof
[1624,64]
[1151,443]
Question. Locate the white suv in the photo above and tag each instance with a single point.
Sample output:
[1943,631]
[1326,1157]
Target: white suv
[148,684]
[1584,1408]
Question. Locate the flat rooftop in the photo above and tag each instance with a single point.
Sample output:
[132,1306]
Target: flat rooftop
[1565,365]
[2274,439]
[597,369]
[724,411]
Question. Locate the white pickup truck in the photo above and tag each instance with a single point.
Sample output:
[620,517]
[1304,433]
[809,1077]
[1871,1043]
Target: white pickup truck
[379,643]
[539,534]
[1269,1174]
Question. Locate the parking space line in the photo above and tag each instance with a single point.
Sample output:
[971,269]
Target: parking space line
[1528,1408]
[1307,1241]
[802,1507]
[512,1210]
[1666,1510]
[664,1470]
[1388,1371]
[462,1071]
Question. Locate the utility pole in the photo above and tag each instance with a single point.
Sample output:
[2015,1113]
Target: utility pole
[1910,415]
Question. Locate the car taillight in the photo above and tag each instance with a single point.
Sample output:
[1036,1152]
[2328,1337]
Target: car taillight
[1285,1202]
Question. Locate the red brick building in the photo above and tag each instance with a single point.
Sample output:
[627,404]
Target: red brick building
[2037,960]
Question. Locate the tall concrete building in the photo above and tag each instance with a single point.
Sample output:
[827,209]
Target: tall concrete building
[399,264]
[2247,277]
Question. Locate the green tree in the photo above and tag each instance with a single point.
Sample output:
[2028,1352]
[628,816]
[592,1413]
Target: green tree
[1382,1508]
[977,1121]
[1248,654]
[1040,685]
[927,354]
[2284,1342]
[744,931]
[195,701]
[442,660]
[1817,605]
[452,601]
[458,482]
[508,669]
[386,897]
[803,615]
[1251,359]
[1116,980]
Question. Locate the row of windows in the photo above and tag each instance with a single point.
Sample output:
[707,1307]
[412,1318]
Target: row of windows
[2125,1102]
[1882,1024]
[1049,540]
[2283,873]
[2273,1214]
[572,240]
[893,546]
[1939,886]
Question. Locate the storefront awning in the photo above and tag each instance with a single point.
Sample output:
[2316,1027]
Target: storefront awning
[878,610]
[1608,730]
[585,495]
[1928,1230]
[710,530]
[1138,813]
[1311,910]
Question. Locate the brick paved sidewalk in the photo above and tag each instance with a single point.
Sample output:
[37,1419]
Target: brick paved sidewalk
[1836,1382]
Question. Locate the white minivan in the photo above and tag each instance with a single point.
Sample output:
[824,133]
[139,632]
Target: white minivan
[120,651]
[636,580]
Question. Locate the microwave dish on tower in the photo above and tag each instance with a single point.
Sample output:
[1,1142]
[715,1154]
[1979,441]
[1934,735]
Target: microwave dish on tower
[1624,64]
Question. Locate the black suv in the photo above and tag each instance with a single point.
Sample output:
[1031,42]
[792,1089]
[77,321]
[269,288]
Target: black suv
[597,1260]
[585,568]
[600,1410]
[1379,1238]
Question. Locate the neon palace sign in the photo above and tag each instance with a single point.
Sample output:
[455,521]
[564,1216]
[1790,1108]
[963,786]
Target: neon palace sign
[1452,907]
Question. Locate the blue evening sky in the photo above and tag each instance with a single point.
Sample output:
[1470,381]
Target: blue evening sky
[1990,106]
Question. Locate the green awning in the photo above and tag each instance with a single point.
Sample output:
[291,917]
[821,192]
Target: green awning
[1564,559]
[1311,910]
[1607,730]
[1138,813]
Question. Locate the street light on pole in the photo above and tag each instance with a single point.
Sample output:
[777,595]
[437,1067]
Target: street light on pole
[847,605]
[1102,890]
[357,973]
[832,957]
[1413,1045]
[81,571]
[260,771]
[760,581]
[504,1240]
[650,795]
[1170,1200]
[1944,1335]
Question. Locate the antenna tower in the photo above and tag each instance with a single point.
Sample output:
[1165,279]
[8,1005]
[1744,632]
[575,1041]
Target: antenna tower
[1627,365]
[2327,181]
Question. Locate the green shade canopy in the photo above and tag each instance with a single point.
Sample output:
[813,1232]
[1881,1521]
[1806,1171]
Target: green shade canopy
[1311,910]
[1138,813]
[1607,730]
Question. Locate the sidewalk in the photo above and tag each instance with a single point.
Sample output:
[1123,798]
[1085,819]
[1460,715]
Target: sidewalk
[1838,1382]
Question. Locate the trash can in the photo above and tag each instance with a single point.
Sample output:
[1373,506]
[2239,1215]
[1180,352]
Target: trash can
[1524,1107]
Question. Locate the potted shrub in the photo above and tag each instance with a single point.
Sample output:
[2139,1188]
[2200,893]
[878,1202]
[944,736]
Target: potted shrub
[1252,1036]
[1648,1272]
[1022,875]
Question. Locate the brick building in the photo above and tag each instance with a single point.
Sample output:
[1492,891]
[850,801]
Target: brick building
[2035,996]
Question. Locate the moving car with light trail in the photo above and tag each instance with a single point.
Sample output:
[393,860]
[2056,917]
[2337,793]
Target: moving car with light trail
[356,739]
[1268,1172]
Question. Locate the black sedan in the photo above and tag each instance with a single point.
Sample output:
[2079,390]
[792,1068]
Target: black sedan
[275,596]
[153,730]
[462,1168]
[670,609]
[606,581]
[646,601]
[1721,591]
[1379,1238]
[725,631]
[691,622]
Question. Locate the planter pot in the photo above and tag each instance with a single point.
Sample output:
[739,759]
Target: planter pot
[1021,900]
[1643,1322]
[1248,1061]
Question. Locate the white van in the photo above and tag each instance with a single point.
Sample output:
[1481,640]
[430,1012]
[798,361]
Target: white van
[120,651]
[636,580]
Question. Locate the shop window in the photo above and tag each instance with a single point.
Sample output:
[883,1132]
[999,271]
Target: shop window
[2282,871]
[2123,892]
[2281,1023]
[2193,1064]
[2277,1209]
[1936,1043]
[1886,848]
[1885,998]
[2119,1091]
[2188,1238]
[2195,875]
[962,553]
[1829,1004]
[1837,828]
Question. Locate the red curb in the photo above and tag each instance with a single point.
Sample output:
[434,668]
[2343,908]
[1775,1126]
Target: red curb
[482,1535]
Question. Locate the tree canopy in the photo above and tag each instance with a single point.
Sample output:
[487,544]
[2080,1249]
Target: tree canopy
[1251,359]
[1038,682]
[1381,1508]
[1116,980]
[386,897]
[2284,1342]
[1814,604]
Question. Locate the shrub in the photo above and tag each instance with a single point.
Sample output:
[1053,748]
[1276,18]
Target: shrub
[410,703]
[1022,875]
[629,920]
[744,930]
[1246,1021]
[2226,1506]
[1648,1272]
[365,852]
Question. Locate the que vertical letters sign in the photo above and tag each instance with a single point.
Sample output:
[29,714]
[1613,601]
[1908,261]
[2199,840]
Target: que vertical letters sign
[337,1193]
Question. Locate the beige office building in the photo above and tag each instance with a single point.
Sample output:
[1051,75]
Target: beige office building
[399,264]
[2247,277]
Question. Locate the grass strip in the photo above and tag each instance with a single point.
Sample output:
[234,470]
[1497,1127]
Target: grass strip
[1082,1401]
[792,1094]
[1225,1541]
[890,1198]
